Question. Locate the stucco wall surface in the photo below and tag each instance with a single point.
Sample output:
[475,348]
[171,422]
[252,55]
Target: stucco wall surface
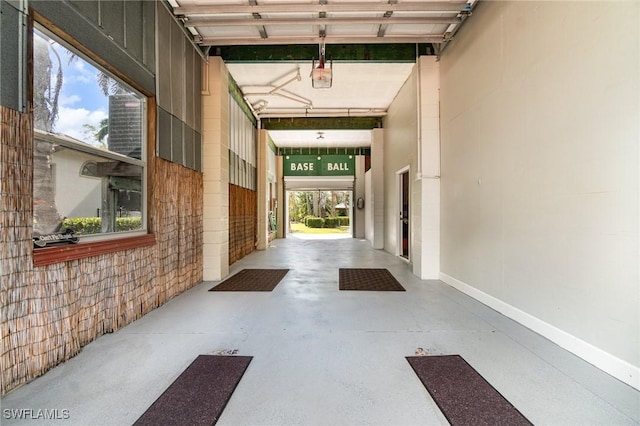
[539,120]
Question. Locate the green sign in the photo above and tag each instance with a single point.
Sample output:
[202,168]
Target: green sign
[319,165]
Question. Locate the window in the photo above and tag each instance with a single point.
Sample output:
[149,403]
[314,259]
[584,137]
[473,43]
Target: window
[88,120]
[89,169]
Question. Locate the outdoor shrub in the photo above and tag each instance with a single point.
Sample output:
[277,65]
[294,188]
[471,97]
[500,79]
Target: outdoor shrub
[314,222]
[128,223]
[93,225]
[344,220]
[83,225]
[331,222]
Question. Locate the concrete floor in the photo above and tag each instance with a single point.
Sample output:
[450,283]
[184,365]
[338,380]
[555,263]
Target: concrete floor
[325,357]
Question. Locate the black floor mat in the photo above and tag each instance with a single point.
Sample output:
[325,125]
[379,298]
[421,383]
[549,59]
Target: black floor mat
[368,279]
[199,394]
[252,280]
[462,394]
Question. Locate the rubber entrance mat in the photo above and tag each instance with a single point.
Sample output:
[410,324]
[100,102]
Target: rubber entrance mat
[368,279]
[199,394]
[462,394]
[252,280]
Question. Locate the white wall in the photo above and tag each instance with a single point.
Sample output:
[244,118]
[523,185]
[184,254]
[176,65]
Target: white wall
[426,230]
[401,139]
[368,210]
[376,197]
[76,195]
[539,121]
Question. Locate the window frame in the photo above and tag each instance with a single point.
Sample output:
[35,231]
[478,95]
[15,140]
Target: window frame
[83,166]
[93,245]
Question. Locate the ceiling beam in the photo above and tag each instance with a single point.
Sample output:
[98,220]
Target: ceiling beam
[212,22]
[256,16]
[425,6]
[379,52]
[356,39]
[382,29]
[325,123]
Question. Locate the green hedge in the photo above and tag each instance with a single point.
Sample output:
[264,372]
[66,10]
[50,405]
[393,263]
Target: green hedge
[93,225]
[131,223]
[327,222]
[331,222]
[313,222]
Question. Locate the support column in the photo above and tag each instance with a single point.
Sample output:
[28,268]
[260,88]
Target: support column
[377,187]
[429,139]
[215,159]
[262,191]
[358,192]
[282,200]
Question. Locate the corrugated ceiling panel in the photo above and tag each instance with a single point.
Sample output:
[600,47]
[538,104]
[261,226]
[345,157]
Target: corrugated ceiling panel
[189,85]
[189,159]
[10,64]
[105,45]
[113,21]
[164,134]
[163,76]
[177,71]
[197,151]
[177,140]
[197,82]
[134,29]
[88,9]
[149,31]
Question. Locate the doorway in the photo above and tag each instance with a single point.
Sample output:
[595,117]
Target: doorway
[319,214]
[405,214]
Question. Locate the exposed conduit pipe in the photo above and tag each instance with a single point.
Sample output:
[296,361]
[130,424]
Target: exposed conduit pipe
[419,113]
[279,91]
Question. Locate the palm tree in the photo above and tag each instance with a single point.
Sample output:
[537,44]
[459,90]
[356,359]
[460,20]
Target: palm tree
[46,93]
[99,132]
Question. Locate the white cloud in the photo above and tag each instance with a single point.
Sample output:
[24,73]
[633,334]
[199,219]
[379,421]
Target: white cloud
[81,75]
[71,121]
[69,100]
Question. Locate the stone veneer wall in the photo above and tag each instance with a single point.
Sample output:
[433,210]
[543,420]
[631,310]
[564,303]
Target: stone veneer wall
[48,313]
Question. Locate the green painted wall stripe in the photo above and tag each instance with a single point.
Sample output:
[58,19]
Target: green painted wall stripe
[366,151]
[324,123]
[236,94]
[272,145]
[319,165]
[399,52]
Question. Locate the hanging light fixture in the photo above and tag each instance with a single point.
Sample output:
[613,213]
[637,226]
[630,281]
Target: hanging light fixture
[321,75]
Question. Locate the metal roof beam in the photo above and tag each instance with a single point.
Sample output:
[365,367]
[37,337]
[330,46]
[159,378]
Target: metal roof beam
[212,22]
[382,29]
[425,6]
[256,16]
[356,39]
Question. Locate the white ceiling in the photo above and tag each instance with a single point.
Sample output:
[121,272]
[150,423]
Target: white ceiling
[283,89]
[329,139]
[254,22]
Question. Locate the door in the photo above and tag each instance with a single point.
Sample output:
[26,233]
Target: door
[403,190]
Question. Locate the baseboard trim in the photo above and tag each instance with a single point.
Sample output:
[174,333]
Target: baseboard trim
[616,367]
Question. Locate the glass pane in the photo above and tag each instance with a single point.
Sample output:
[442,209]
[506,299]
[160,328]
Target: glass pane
[74,98]
[89,138]
[109,202]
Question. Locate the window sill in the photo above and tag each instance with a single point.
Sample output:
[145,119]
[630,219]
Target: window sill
[51,255]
